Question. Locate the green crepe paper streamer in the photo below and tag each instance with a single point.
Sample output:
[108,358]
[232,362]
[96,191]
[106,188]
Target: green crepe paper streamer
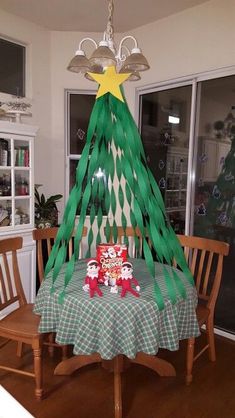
[98,238]
[110,165]
[99,217]
[101,190]
[156,191]
[127,171]
[158,296]
[118,168]
[132,219]
[107,230]
[148,257]
[124,221]
[121,196]
[92,214]
[170,286]
[113,201]
[60,259]
[61,297]
[179,285]
[128,193]
[138,217]
[69,270]
[107,200]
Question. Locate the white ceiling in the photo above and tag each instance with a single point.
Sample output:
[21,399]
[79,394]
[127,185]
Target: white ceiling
[91,15]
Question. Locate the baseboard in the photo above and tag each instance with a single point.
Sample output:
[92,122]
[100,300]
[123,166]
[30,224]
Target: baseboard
[224,334]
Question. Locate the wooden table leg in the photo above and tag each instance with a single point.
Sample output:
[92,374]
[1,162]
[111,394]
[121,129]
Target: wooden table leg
[160,366]
[68,366]
[117,369]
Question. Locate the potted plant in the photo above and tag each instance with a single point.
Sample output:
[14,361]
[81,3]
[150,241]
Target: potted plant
[46,211]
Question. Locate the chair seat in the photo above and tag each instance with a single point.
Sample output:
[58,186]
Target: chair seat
[202,314]
[21,321]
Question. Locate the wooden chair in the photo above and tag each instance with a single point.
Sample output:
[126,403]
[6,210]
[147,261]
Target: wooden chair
[130,233]
[45,239]
[205,259]
[47,236]
[21,324]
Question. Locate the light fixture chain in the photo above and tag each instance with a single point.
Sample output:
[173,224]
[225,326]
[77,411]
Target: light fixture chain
[109,29]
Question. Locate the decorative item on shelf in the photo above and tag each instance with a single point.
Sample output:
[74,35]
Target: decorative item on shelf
[46,211]
[16,108]
[106,54]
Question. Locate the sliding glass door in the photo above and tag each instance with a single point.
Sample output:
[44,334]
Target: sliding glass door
[165,127]
[188,134]
[213,209]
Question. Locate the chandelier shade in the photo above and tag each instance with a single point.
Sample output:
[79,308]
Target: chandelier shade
[136,61]
[79,64]
[103,56]
[106,54]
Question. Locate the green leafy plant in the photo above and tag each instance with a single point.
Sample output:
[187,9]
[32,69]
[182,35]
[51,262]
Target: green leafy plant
[46,208]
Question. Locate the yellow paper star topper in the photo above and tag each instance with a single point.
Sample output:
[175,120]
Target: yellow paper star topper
[110,82]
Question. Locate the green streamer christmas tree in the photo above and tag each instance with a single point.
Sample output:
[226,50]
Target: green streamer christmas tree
[114,146]
[220,208]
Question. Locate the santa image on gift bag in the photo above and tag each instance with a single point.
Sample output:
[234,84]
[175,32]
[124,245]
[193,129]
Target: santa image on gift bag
[91,279]
[127,280]
[110,257]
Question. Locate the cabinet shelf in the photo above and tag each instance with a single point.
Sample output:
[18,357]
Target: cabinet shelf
[176,190]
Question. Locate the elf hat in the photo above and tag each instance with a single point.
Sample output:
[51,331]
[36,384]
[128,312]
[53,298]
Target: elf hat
[92,261]
[127,264]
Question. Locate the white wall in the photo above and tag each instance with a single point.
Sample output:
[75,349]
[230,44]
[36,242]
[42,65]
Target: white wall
[38,86]
[196,40]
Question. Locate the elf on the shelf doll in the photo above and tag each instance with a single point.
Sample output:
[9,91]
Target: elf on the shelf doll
[91,279]
[127,280]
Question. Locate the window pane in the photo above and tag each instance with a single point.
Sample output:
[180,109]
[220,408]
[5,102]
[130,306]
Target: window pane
[12,68]
[80,110]
[165,134]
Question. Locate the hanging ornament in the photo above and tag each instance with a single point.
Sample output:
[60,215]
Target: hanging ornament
[162,183]
[203,158]
[161,165]
[201,210]
[80,134]
[216,193]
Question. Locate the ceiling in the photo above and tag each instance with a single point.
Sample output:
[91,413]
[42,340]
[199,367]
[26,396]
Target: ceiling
[91,15]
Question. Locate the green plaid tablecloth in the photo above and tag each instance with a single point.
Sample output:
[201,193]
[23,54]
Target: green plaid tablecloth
[112,325]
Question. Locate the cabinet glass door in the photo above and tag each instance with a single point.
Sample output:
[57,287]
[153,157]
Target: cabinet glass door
[213,213]
[165,124]
[15,182]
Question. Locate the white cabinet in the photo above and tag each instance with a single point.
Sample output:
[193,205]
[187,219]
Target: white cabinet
[211,158]
[17,195]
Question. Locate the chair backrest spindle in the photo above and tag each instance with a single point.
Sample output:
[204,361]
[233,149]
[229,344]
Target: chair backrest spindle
[11,289]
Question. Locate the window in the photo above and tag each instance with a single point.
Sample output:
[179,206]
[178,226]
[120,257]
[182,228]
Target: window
[79,105]
[12,68]
[78,109]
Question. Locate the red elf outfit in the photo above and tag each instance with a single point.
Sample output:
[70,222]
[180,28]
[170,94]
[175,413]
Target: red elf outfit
[91,279]
[127,280]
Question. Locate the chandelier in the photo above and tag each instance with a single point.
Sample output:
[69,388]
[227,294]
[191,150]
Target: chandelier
[106,54]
